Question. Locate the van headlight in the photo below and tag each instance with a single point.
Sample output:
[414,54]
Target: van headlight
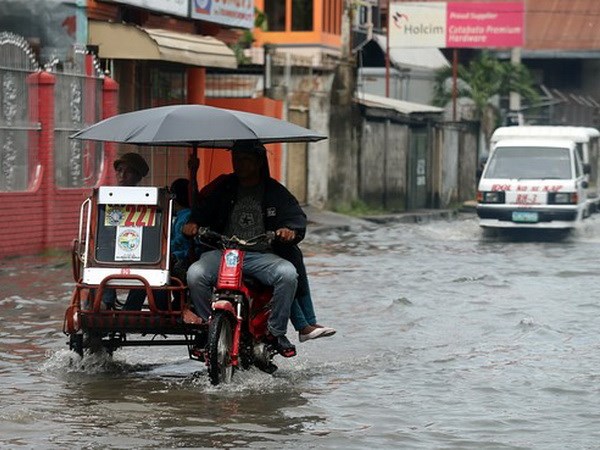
[562,198]
[491,197]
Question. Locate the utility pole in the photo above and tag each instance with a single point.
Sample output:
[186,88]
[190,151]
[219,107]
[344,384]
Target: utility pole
[514,101]
[346,72]
[387,51]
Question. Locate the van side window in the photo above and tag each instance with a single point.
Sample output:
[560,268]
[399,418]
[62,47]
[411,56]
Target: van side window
[579,149]
[578,166]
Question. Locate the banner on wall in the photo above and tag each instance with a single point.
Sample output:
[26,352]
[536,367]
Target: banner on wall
[456,24]
[235,13]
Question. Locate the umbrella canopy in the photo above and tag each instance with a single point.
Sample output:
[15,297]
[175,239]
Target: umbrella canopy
[196,126]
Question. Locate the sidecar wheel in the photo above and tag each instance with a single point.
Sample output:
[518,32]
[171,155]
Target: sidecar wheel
[76,343]
[220,346]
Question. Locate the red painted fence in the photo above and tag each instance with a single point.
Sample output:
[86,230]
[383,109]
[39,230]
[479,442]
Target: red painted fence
[44,216]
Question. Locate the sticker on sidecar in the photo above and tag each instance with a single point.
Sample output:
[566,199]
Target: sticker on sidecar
[129,244]
[232,258]
[130,216]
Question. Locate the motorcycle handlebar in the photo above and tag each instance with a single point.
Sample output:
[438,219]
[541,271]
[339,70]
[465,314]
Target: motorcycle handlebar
[207,233]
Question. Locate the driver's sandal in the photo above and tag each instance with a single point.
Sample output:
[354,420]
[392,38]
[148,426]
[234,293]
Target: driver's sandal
[282,345]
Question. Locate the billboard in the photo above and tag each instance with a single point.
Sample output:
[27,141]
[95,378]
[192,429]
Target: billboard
[456,24]
[175,7]
[235,13]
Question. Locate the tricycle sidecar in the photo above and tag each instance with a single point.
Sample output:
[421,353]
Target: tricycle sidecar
[123,245]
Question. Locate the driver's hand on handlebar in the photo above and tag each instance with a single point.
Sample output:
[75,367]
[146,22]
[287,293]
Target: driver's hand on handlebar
[190,229]
[285,234]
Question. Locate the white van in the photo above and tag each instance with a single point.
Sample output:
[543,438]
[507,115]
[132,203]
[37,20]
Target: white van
[532,183]
[588,146]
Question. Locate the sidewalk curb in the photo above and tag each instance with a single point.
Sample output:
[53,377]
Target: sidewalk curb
[321,221]
[419,216]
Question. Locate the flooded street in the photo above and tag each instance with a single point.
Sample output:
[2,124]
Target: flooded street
[447,339]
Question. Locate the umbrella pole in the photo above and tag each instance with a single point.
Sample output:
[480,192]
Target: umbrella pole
[193,164]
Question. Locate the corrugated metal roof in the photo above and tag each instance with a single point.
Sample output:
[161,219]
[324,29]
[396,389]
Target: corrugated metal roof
[401,106]
[562,24]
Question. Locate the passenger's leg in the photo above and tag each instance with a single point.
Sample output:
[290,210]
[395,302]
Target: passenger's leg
[201,277]
[302,305]
[136,297]
[297,316]
[135,300]
[304,299]
[109,297]
[307,328]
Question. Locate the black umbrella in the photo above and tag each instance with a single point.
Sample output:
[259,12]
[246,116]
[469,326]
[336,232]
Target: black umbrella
[196,126]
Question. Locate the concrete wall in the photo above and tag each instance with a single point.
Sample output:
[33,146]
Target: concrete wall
[382,164]
[455,164]
[344,143]
[343,161]
[366,158]
[318,152]
[449,159]
[468,161]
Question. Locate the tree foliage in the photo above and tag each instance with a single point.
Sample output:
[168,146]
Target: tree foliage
[247,38]
[482,79]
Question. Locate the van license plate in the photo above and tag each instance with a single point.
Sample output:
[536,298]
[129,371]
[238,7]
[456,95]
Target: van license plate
[524,216]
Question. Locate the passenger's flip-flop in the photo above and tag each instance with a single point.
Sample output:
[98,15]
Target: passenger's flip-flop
[314,334]
[319,332]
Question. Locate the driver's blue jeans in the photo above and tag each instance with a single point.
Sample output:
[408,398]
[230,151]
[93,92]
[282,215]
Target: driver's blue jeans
[267,268]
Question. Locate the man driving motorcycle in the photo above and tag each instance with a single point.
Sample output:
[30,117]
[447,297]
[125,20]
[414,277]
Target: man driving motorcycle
[248,203]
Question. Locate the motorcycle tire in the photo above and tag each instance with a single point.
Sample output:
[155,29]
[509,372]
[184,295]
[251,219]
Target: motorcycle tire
[220,346]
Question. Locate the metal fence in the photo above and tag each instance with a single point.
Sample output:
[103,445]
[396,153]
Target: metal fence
[17,130]
[78,103]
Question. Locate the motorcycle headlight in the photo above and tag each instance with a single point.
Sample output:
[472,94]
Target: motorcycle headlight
[490,197]
[562,198]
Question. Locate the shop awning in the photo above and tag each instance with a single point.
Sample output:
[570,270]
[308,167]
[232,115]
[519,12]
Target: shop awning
[123,41]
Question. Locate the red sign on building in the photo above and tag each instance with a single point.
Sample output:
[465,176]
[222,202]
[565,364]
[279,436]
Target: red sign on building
[456,24]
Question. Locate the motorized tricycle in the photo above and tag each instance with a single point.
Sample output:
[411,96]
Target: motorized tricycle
[123,244]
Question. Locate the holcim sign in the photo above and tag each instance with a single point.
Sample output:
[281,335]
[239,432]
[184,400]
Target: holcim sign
[456,25]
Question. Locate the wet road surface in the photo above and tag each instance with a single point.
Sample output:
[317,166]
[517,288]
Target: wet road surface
[446,339]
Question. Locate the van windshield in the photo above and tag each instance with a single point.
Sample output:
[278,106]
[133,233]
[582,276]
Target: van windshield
[529,163]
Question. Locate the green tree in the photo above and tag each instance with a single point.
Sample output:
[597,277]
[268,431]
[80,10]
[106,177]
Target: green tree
[484,78]
[246,38]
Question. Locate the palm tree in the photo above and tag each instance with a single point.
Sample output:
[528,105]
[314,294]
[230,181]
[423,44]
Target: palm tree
[484,78]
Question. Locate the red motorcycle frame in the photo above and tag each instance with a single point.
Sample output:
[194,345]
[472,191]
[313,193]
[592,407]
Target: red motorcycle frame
[238,326]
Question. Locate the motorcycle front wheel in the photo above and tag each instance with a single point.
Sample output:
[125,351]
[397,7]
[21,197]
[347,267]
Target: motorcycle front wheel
[220,346]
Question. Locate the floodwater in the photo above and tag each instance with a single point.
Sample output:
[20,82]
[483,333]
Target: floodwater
[447,339]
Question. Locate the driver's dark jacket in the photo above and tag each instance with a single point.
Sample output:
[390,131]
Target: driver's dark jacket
[280,210]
